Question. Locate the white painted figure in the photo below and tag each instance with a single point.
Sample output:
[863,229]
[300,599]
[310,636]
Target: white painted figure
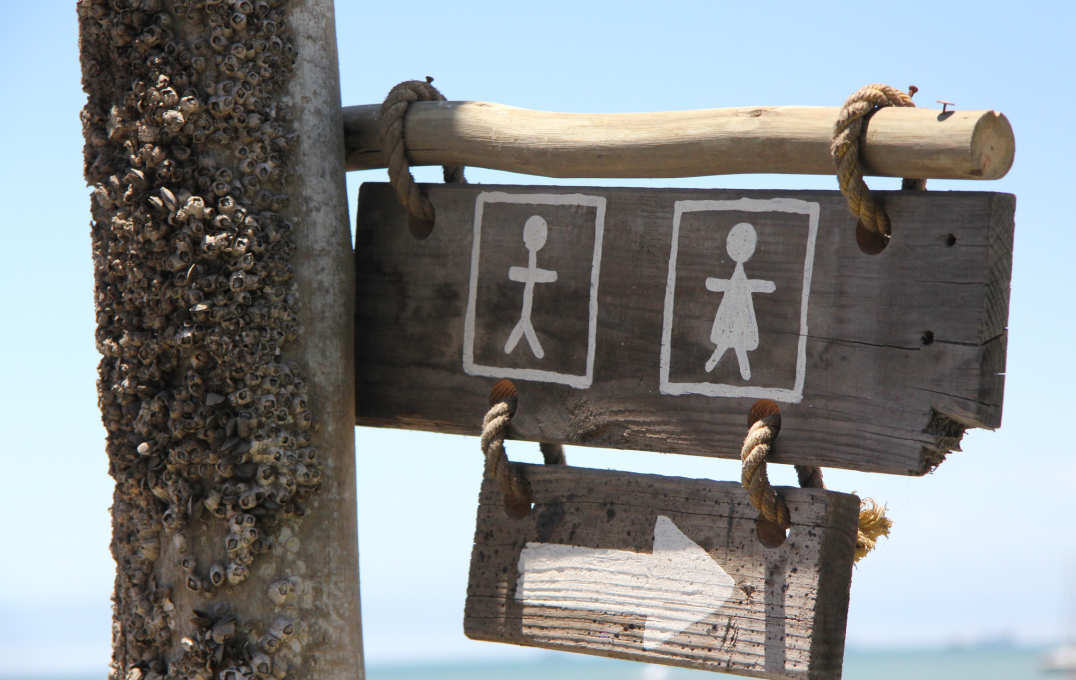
[535,232]
[735,325]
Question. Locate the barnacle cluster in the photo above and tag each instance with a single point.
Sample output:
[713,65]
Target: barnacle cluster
[234,650]
[187,132]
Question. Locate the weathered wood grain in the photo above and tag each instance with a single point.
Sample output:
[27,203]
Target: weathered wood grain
[902,350]
[786,607]
[899,142]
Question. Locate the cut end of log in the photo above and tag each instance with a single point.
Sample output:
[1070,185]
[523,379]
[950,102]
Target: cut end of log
[993,145]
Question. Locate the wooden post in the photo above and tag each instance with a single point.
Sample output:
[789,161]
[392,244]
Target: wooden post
[899,142]
[222,258]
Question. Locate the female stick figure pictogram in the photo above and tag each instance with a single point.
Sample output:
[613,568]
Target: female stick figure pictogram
[735,325]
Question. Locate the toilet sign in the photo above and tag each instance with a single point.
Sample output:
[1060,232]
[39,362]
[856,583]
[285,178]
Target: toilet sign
[654,318]
[532,291]
[736,240]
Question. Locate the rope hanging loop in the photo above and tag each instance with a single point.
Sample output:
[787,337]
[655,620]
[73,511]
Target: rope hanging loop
[874,228]
[503,401]
[393,113]
[774,517]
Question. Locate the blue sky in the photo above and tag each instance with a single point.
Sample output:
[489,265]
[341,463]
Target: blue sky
[981,548]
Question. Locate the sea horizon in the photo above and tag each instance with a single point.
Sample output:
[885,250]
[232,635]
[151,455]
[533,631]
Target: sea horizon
[994,660]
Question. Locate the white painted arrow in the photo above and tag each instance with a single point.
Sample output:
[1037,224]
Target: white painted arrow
[675,586]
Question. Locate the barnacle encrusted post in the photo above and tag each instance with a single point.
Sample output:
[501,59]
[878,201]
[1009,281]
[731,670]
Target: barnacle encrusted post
[223,290]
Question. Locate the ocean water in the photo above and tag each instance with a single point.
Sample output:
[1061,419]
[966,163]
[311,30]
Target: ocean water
[1003,663]
[951,664]
[978,664]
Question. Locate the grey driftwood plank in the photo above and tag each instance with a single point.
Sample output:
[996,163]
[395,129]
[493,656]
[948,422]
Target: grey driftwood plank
[902,350]
[786,607]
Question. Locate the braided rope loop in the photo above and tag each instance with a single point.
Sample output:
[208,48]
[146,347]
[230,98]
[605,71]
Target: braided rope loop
[810,477]
[766,423]
[845,149]
[503,399]
[393,114]
[514,487]
[765,420]
[552,454]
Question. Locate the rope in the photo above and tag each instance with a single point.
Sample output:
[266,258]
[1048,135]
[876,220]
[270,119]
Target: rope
[757,445]
[517,493]
[845,149]
[516,490]
[393,112]
[553,454]
[873,524]
[765,424]
[810,477]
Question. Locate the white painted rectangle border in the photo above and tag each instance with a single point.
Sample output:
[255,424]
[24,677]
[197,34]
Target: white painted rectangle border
[574,380]
[788,205]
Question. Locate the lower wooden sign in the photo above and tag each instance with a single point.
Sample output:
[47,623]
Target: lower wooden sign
[665,570]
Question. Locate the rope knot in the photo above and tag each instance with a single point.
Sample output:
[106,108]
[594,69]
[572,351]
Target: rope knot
[514,486]
[393,114]
[775,519]
[845,148]
[765,425]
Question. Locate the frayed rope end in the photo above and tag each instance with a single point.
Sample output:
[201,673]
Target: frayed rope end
[873,524]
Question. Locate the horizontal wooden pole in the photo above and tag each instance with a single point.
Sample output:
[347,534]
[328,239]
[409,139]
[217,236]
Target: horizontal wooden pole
[900,142]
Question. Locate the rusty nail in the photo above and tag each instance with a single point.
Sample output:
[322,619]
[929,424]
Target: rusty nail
[945,105]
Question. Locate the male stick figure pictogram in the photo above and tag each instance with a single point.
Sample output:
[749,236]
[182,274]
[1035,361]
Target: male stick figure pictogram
[735,325]
[535,232]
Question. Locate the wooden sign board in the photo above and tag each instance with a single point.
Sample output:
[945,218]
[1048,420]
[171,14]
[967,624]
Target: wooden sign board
[665,570]
[654,318]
